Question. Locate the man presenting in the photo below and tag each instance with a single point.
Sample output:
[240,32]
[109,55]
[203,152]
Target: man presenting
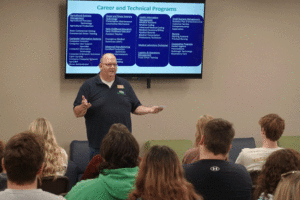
[107,99]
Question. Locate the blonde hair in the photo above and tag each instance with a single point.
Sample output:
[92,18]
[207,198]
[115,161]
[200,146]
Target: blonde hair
[202,121]
[54,160]
[288,187]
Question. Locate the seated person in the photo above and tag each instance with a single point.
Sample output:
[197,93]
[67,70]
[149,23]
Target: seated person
[278,163]
[23,161]
[3,176]
[212,176]
[56,158]
[192,155]
[272,127]
[161,177]
[119,151]
[288,187]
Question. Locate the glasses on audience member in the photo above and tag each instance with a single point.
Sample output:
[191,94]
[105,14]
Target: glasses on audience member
[111,64]
[289,173]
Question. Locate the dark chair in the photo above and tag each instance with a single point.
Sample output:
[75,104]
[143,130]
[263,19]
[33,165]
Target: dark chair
[79,160]
[238,144]
[254,175]
[3,181]
[72,173]
[58,186]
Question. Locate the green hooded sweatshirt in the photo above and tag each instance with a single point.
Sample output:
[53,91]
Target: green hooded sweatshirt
[115,184]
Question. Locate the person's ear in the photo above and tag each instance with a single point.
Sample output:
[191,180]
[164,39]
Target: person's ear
[263,131]
[39,172]
[229,149]
[100,66]
[3,167]
[201,140]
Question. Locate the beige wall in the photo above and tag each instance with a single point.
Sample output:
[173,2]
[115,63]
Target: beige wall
[251,68]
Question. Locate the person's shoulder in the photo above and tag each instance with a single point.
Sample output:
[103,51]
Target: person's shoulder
[121,80]
[246,150]
[236,167]
[49,196]
[33,194]
[92,80]
[192,166]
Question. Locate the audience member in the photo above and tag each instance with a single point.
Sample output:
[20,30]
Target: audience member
[288,187]
[56,158]
[23,161]
[192,155]
[212,176]
[272,127]
[119,151]
[279,162]
[161,177]
[3,176]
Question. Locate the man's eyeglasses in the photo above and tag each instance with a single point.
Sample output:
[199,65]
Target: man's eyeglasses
[288,173]
[110,65]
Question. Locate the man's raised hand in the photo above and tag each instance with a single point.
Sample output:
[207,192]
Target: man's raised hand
[85,103]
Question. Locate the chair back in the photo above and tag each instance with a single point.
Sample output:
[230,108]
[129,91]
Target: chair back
[80,154]
[238,144]
[57,186]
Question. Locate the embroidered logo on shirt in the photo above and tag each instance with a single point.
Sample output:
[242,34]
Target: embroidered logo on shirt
[215,168]
[120,86]
[121,92]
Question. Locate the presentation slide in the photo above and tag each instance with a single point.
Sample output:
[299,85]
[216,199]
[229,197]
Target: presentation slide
[145,37]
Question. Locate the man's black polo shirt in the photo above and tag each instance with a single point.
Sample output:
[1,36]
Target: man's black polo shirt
[109,106]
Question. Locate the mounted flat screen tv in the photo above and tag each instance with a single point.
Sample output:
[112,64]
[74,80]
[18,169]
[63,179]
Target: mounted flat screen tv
[149,39]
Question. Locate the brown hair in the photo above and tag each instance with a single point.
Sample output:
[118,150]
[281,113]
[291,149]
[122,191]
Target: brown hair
[288,187]
[202,121]
[2,146]
[273,126]
[23,157]
[218,134]
[161,177]
[119,149]
[279,162]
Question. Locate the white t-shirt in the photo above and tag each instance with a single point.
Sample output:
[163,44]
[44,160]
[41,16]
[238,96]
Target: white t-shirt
[254,158]
[109,84]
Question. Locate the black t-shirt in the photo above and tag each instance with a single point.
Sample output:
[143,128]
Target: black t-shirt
[109,106]
[218,179]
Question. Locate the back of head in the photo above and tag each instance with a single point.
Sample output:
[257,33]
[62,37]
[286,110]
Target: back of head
[119,149]
[218,134]
[161,177]
[273,125]
[23,157]
[279,162]
[288,187]
[2,146]
[54,159]
[44,128]
[202,121]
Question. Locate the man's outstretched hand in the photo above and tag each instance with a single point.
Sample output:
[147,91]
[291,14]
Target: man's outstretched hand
[156,109]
